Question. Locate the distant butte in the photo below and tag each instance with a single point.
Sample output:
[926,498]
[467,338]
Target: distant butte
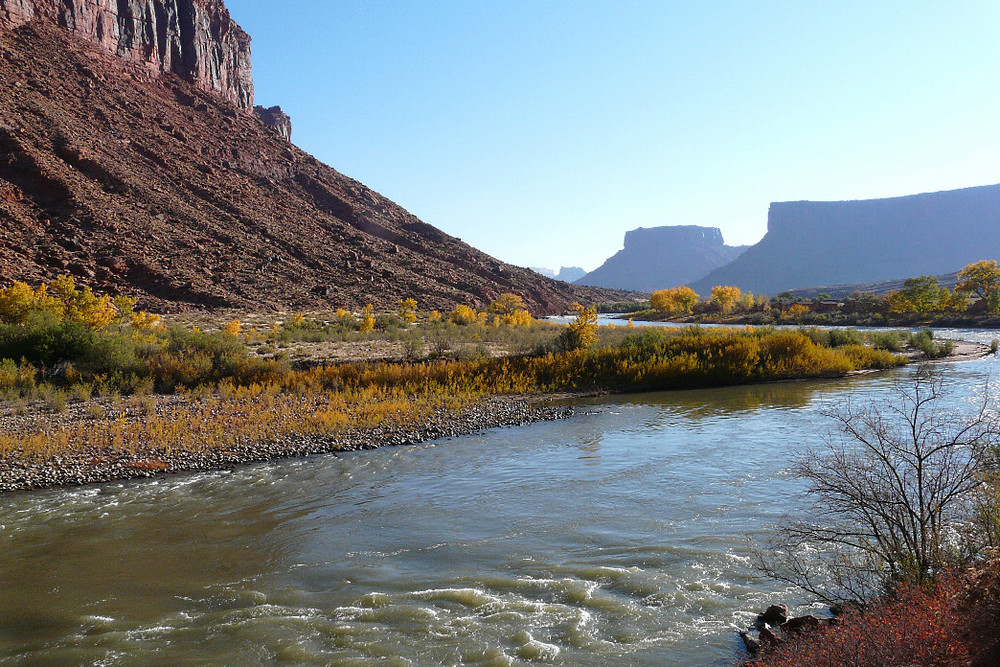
[660,257]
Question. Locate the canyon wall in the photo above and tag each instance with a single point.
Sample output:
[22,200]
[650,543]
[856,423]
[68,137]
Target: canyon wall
[814,244]
[662,257]
[195,39]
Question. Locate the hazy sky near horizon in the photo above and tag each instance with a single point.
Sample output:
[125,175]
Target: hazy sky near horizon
[540,132]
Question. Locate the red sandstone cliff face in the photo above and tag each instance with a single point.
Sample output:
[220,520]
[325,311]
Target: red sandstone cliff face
[195,39]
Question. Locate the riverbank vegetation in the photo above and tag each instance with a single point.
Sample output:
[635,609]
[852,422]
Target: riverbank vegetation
[950,623]
[920,301]
[131,380]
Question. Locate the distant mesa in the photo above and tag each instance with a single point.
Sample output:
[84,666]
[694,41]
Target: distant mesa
[661,257]
[567,274]
[570,274]
[812,244]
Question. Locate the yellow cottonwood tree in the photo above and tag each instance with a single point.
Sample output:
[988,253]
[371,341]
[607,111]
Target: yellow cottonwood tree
[408,310]
[464,315]
[674,300]
[61,300]
[981,278]
[726,297]
[581,333]
[507,303]
[367,319]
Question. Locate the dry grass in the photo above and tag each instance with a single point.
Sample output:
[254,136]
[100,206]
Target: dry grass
[233,417]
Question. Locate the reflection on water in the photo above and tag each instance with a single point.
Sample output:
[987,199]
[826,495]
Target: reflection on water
[616,537]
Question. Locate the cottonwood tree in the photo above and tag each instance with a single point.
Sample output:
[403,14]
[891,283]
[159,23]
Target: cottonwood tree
[981,278]
[581,333]
[725,297]
[895,488]
[674,299]
[507,304]
[919,295]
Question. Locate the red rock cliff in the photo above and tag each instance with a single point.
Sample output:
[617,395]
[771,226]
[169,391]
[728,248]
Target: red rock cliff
[195,39]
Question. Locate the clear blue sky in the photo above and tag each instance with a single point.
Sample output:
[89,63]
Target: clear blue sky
[542,131]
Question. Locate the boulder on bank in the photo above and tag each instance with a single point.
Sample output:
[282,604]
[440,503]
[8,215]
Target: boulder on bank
[774,615]
[807,622]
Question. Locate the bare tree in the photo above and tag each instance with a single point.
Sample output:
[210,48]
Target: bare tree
[894,491]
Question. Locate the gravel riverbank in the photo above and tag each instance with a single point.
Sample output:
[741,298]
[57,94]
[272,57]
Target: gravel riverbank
[98,465]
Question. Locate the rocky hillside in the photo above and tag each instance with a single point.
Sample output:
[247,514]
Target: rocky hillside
[813,244]
[130,156]
[663,257]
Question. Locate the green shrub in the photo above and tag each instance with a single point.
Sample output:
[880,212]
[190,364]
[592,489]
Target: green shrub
[924,341]
[47,343]
[841,337]
[388,322]
[888,340]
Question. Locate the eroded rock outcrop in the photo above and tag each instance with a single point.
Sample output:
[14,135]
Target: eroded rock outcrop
[276,119]
[662,257]
[195,39]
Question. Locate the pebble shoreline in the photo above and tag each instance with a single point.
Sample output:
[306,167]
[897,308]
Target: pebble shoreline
[95,466]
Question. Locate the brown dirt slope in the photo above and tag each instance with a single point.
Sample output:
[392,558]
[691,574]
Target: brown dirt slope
[147,185]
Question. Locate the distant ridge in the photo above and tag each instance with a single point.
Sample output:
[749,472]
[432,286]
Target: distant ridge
[866,241]
[661,257]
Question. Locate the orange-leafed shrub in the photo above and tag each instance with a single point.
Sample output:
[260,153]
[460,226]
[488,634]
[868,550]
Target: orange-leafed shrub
[955,622]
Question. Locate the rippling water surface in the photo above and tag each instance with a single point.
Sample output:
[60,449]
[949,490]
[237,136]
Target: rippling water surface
[619,536]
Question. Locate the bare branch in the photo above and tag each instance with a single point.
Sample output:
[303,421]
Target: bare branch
[893,483]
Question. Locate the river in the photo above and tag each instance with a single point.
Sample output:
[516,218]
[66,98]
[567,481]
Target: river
[618,536]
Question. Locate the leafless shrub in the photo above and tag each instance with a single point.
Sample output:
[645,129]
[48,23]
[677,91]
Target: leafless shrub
[895,492]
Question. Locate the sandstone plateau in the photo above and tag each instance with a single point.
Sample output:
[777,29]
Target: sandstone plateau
[661,257]
[814,244]
[131,157]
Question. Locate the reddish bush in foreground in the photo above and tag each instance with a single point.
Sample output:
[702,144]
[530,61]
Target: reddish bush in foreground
[957,622]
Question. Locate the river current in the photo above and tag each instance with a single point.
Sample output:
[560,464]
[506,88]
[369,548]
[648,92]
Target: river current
[618,536]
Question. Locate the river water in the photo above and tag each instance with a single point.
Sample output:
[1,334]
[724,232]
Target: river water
[618,536]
